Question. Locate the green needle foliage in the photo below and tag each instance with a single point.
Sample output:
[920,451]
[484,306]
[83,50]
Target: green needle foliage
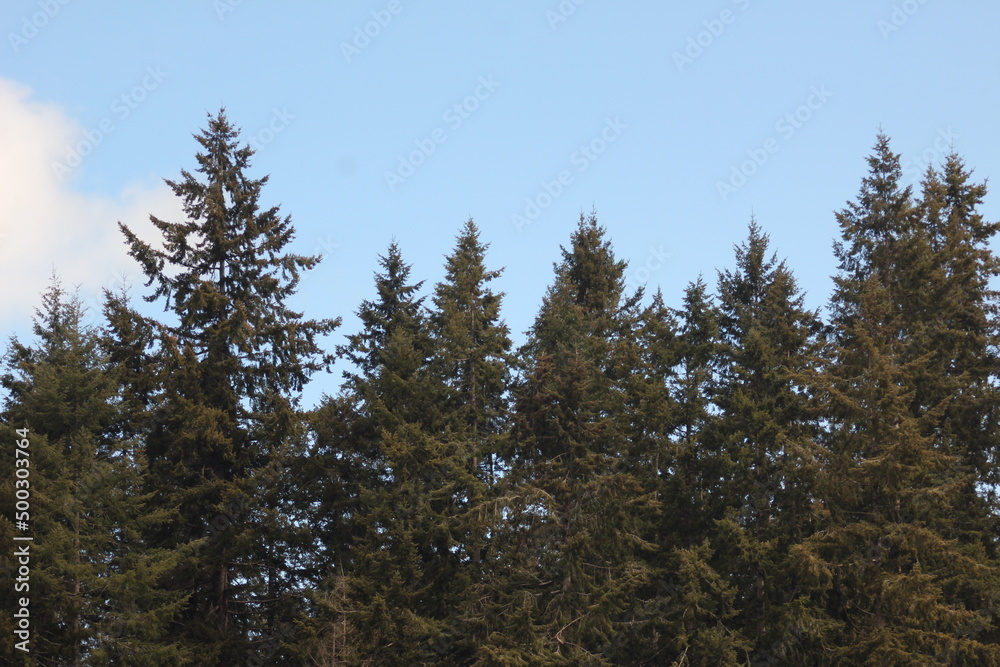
[574,514]
[766,437]
[472,362]
[896,563]
[727,479]
[693,614]
[228,366]
[94,598]
[398,582]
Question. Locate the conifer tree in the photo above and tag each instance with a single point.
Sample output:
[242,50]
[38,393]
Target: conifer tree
[472,361]
[766,434]
[885,563]
[653,414]
[472,347]
[953,317]
[61,398]
[351,468]
[330,481]
[230,362]
[693,483]
[693,607]
[891,567]
[654,407]
[573,533]
[405,571]
[92,579]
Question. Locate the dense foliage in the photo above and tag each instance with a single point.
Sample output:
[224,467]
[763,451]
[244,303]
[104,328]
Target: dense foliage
[739,480]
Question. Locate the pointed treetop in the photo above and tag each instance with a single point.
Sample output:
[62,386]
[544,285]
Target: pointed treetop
[397,308]
[464,267]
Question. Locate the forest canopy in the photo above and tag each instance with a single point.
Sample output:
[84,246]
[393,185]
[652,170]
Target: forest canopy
[736,480]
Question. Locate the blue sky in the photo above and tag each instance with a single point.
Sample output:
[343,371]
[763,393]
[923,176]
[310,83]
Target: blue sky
[401,119]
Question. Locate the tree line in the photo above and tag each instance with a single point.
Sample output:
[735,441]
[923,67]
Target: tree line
[738,480]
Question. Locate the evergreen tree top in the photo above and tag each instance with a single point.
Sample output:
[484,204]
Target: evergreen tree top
[63,365]
[596,280]
[882,214]
[226,274]
[396,310]
[465,270]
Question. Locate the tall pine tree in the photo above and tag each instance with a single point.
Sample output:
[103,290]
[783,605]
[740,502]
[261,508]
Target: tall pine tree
[399,582]
[694,608]
[472,361]
[953,316]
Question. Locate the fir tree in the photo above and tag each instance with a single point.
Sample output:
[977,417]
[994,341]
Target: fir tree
[693,608]
[405,571]
[766,434]
[573,534]
[892,565]
[952,315]
[695,472]
[62,399]
[92,582]
[472,346]
[230,363]
[472,361]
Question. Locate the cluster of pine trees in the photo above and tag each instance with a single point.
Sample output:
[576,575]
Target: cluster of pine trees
[734,481]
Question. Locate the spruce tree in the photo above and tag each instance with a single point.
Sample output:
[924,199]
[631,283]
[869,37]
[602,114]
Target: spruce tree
[230,361]
[572,535]
[766,435]
[399,582]
[893,565]
[350,468]
[953,317]
[472,346]
[92,578]
[61,398]
[695,476]
[330,481]
[885,565]
[654,407]
[472,361]
[653,414]
[692,615]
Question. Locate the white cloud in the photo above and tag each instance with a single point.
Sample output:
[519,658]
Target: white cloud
[46,226]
